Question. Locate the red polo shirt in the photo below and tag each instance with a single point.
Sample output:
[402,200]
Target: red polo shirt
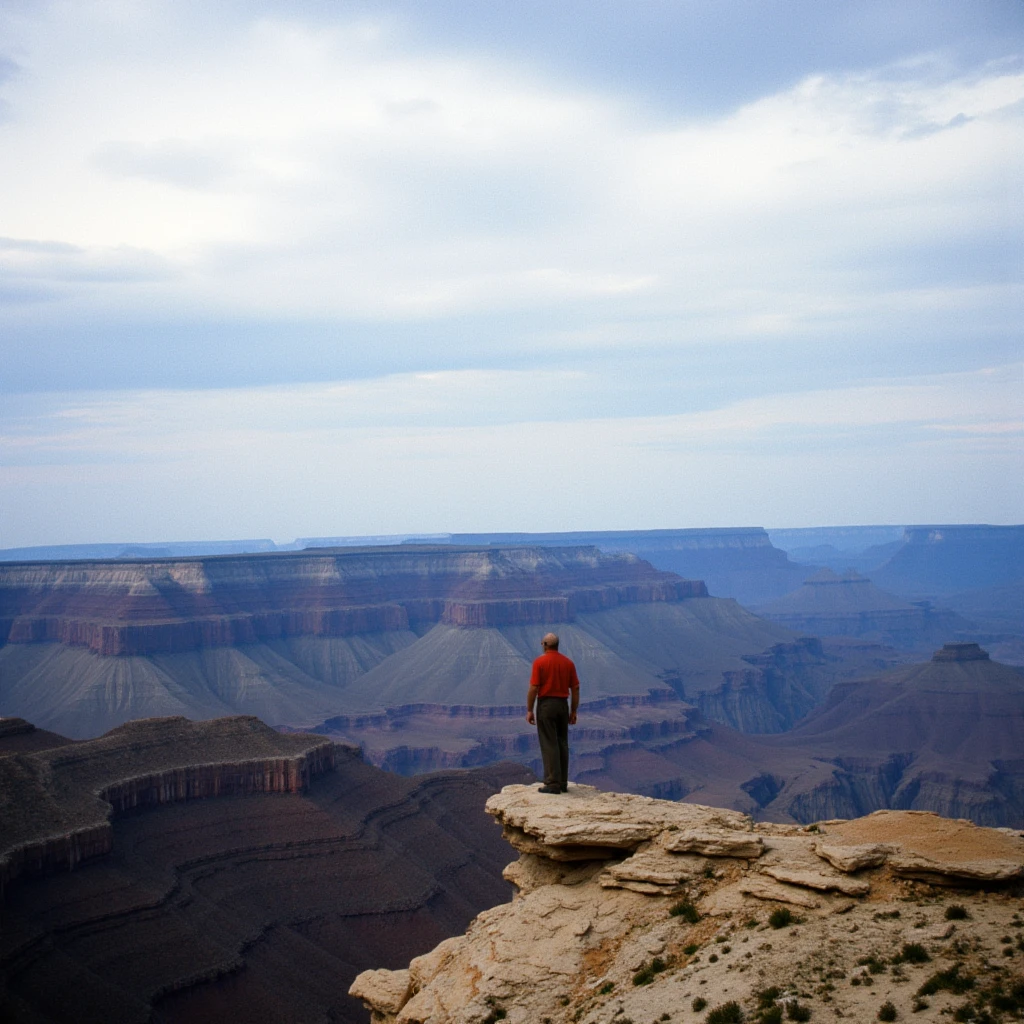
[554,675]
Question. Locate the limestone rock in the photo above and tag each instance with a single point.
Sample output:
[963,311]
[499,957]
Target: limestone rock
[949,872]
[819,881]
[531,872]
[652,864]
[853,857]
[762,889]
[527,844]
[385,991]
[595,942]
[721,842]
[587,817]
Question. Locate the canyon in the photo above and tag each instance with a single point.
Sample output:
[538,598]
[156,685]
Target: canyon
[184,872]
[300,638]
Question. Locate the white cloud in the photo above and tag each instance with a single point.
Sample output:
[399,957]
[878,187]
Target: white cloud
[292,171]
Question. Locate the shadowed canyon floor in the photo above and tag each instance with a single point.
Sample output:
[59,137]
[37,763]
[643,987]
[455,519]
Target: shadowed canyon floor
[252,906]
[633,910]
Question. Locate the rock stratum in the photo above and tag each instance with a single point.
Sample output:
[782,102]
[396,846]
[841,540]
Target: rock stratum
[299,638]
[848,604]
[237,874]
[630,910]
[164,606]
[56,803]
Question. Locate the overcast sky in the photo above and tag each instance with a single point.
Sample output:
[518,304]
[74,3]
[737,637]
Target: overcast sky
[311,268]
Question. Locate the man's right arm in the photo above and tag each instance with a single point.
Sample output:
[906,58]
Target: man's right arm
[531,700]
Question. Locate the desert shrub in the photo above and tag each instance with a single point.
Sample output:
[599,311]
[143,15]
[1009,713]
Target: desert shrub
[698,1004]
[872,963]
[912,953]
[691,949]
[950,980]
[606,988]
[727,1013]
[767,996]
[713,959]
[646,973]
[781,917]
[887,1011]
[770,1015]
[794,1011]
[1004,1003]
[956,912]
[919,1004]
[686,910]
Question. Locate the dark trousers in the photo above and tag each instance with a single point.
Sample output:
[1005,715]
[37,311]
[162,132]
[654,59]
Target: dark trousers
[553,733]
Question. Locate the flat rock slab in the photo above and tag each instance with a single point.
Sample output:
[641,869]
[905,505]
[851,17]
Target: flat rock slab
[817,880]
[719,842]
[656,866]
[851,857]
[910,865]
[763,889]
[589,817]
[936,849]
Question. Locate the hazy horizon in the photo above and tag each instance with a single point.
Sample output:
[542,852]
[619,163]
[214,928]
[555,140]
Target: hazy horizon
[297,269]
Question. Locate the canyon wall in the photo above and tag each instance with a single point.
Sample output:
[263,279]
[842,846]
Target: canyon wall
[254,907]
[58,803]
[136,607]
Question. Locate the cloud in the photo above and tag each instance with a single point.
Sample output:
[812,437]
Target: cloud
[713,257]
[339,171]
[432,453]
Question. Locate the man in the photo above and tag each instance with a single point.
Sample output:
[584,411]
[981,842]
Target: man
[552,682]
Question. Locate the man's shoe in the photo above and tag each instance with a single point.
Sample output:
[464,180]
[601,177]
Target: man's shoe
[549,789]
[565,789]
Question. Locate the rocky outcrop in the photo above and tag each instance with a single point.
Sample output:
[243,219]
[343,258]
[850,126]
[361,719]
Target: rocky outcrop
[58,803]
[637,931]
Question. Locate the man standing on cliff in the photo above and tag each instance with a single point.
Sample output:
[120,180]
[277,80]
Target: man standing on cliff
[552,682]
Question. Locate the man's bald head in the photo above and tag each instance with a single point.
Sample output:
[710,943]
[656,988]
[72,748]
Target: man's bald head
[550,641]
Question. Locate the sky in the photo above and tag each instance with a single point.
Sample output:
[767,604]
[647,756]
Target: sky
[310,268]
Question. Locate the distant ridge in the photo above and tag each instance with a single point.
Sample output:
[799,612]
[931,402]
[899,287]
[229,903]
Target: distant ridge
[848,604]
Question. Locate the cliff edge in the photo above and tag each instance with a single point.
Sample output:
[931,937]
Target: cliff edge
[631,909]
[56,804]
